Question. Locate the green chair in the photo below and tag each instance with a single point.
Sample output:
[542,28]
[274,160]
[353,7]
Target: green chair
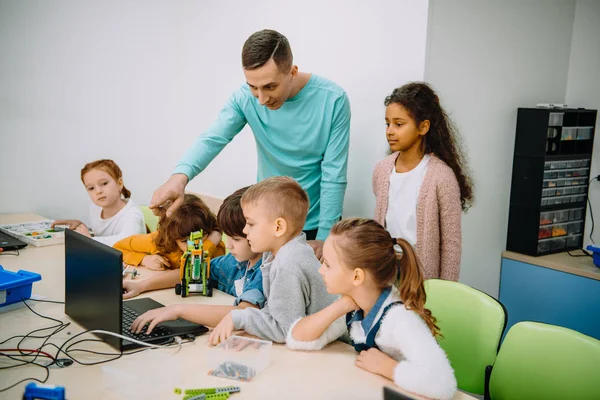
[150,219]
[541,361]
[472,324]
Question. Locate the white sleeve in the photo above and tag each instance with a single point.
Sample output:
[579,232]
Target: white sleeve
[132,224]
[425,369]
[333,332]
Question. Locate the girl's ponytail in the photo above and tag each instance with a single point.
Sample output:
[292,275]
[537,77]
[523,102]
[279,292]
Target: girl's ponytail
[125,192]
[410,284]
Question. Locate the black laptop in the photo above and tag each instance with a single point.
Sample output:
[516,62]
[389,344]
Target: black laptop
[391,394]
[8,242]
[94,295]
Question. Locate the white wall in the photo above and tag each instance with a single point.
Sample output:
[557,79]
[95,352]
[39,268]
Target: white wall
[583,87]
[486,59]
[137,81]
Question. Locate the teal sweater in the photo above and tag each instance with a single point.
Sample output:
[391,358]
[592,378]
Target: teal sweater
[306,138]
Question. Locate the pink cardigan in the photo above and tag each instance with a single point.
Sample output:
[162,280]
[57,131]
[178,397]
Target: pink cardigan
[438,216]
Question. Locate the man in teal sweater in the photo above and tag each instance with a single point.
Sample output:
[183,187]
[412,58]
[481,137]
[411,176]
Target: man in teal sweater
[301,123]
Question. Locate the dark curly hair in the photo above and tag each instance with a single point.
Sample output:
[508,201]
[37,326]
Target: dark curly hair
[442,139]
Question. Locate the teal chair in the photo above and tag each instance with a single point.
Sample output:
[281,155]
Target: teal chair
[150,219]
[472,324]
[541,361]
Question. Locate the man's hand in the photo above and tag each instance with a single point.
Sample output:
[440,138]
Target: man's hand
[155,262]
[215,237]
[317,246]
[168,197]
[222,331]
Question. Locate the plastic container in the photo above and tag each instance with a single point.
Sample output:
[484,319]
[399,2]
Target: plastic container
[240,358]
[585,171]
[559,230]
[37,233]
[583,133]
[595,254]
[556,119]
[545,232]
[544,202]
[543,246]
[576,214]
[561,216]
[547,165]
[585,163]
[557,244]
[575,241]
[552,133]
[546,218]
[15,286]
[568,133]
[575,227]
[547,175]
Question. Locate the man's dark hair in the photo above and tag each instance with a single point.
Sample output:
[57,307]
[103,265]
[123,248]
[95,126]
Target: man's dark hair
[263,45]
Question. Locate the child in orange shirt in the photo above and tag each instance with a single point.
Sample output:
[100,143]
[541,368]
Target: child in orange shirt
[162,250]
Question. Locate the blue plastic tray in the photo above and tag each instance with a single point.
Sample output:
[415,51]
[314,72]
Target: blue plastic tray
[15,286]
[596,254]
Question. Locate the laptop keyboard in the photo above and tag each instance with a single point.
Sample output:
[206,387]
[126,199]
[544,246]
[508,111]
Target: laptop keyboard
[130,315]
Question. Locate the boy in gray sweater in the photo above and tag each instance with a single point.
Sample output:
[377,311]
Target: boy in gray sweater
[275,211]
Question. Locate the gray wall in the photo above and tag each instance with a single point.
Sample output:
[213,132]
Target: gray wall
[583,86]
[486,59]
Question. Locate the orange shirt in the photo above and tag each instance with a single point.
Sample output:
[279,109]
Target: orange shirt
[135,247]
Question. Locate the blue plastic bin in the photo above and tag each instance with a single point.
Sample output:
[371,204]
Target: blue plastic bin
[15,286]
[596,254]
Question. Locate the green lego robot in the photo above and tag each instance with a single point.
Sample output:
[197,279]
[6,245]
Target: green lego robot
[194,269]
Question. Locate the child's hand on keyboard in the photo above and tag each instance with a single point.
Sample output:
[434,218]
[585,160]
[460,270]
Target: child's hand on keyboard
[153,318]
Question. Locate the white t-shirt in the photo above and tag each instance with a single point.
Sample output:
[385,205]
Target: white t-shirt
[401,217]
[127,222]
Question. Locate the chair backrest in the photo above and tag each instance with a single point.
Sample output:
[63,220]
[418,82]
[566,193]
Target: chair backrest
[150,219]
[541,361]
[472,324]
[214,203]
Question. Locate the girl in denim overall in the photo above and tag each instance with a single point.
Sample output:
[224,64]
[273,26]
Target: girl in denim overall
[382,307]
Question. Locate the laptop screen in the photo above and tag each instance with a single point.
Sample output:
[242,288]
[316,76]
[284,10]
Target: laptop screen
[93,284]
[390,394]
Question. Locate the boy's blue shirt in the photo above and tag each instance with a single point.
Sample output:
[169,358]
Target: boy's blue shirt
[225,270]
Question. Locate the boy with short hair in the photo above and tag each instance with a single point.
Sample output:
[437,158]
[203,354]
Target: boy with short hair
[275,211]
[237,273]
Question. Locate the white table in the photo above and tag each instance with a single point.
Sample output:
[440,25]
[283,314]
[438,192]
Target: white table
[153,374]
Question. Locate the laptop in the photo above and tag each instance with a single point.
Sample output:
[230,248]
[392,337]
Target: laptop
[94,296]
[390,394]
[8,242]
